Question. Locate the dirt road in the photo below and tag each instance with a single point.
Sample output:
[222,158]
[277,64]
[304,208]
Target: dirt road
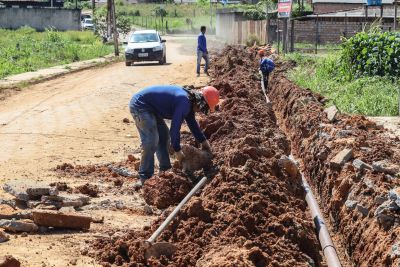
[78,119]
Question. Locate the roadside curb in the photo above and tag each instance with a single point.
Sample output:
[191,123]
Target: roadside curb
[29,78]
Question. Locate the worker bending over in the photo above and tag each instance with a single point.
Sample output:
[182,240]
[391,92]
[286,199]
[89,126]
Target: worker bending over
[150,106]
[267,65]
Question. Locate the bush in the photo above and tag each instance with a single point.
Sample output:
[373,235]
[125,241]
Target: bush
[373,53]
[252,39]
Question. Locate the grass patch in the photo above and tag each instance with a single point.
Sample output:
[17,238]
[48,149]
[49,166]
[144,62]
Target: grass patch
[370,96]
[26,50]
[179,17]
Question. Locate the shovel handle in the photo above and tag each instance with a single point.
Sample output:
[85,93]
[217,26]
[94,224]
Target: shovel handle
[176,210]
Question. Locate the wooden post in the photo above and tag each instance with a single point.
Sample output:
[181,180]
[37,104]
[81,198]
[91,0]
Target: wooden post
[93,7]
[278,33]
[284,35]
[108,19]
[395,16]
[381,11]
[345,25]
[316,35]
[292,36]
[115,31]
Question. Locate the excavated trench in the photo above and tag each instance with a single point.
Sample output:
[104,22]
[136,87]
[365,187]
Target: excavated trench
[253,212]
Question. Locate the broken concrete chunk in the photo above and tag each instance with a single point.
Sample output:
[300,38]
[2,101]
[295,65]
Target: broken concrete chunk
[25,191]
[61,220]
[341,158]
[65,198]
[3,236]
[8,212]
[361,165]
[121,171]
[331,113]
[17,226]
[380,200]
[9,261]
[386,167]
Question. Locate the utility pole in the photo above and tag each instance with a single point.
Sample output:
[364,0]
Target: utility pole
[395,16]
[211,15]
[115,30]
[93,7]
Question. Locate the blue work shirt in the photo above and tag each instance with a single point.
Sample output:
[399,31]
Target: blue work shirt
[169,102]
[202,43]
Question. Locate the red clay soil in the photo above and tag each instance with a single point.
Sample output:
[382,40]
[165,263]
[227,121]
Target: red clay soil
[166,189]
[251,213]
[362,213]
[88,189]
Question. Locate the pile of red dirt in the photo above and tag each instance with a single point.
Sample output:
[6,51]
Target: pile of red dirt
[251,213]
[88,189]
[361,197]
[166,189]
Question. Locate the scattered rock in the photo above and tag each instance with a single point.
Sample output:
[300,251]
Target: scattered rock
[331,113]
[394,195]
[341,158]
[9,261]
[386,167]
[121,171]
[350,204]
[361,165]
[125,120]
[395,253]
[61,220]
[17,226]
[380,200]
[148,210]
[65,167]
[3,236]
[29,190]
[61,186]
[363,210]
[131,158]
[289,166]
[67,209]
[98,219]
[88,189]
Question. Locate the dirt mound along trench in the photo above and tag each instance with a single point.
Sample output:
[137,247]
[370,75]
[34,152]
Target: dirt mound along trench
[250,205]
[359,195]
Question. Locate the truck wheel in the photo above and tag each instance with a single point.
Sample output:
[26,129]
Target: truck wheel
[163,61]
[127,63]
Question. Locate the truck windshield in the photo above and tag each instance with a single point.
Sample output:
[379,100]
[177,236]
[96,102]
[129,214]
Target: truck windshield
[144,38]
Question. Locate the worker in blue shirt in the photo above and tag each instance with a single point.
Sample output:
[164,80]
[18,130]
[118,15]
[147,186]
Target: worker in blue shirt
[202,51]
[150,106]
[267,65]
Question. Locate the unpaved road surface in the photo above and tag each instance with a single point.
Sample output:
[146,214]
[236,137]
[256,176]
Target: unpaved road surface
[77,119]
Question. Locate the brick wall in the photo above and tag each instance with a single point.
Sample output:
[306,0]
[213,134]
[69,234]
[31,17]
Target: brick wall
[331,7]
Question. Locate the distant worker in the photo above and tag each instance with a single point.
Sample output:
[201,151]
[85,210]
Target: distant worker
[202,51]
[150,106]
[267,65]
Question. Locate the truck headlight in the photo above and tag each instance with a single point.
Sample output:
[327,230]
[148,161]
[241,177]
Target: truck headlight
[157,48]
[129,50]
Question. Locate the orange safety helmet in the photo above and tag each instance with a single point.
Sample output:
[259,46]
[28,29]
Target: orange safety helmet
[211,95]
[261,52]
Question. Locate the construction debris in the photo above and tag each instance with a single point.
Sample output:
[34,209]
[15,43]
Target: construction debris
[26,191]
[61,220]
[341,158]
[386,166]
[18,226]
[331,113]
[4,237]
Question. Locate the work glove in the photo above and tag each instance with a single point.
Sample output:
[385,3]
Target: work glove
[205,145]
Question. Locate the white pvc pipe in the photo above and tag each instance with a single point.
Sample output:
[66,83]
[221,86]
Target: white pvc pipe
[328,248]
[176,210]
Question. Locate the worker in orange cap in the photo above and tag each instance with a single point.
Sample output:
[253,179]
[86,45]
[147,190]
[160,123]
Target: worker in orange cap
[150,106]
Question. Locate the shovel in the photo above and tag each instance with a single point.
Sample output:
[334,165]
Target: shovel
[157,249]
